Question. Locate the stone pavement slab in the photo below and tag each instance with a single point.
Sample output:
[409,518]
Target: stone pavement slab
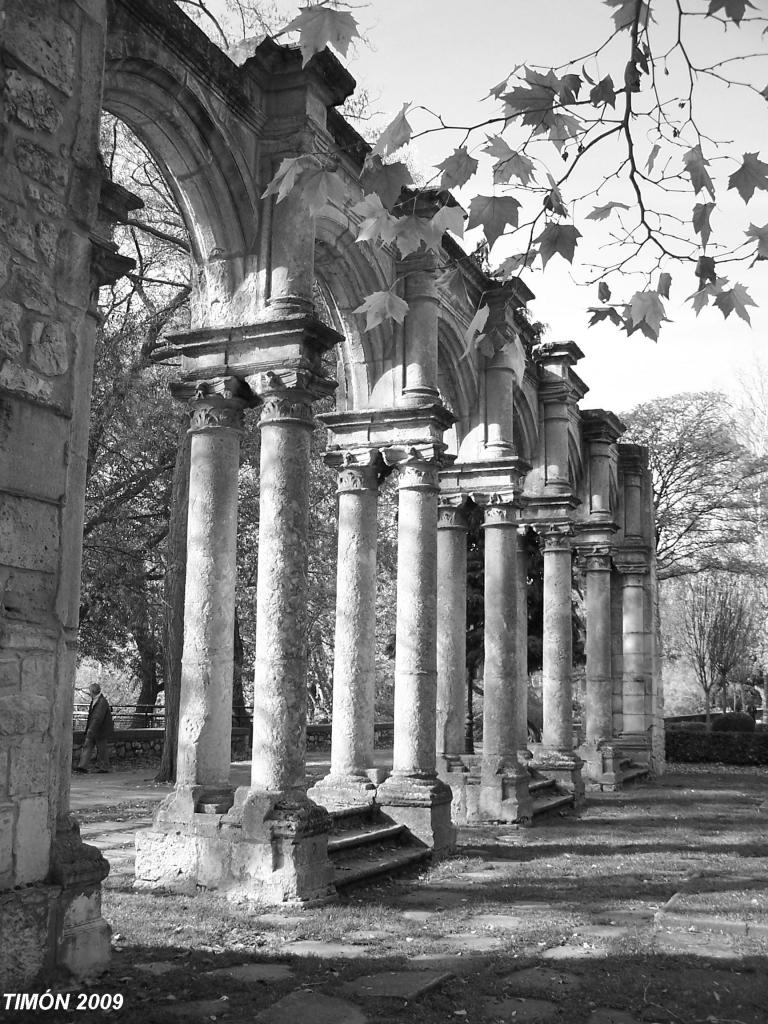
[325,950]
[571,953]
[455,963]
[606,1015]
[500,922]
[706,944]
[311,1008]
[419,916]
[397,984]
[432,899]
[472,943]
[279,920]
[542,981]
[253,972]
[524,1011]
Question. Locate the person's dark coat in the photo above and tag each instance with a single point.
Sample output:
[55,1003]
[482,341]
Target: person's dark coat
[99,725]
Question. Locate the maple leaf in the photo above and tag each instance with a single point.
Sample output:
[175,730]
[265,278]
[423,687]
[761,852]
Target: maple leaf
[761,234]
[603,92]
[397,133]
[624,15]
[665,283]
[701,297]
[734,9]
[411,231]
[696,166]
[476,325]
[647,308]
[512,264]
[287,175]
[377,223]
[735,300]
[652,157]
[535,103]
[764,93]
[603,292]
[381,306]
[604,313]
[602,212]
[701,214]
[553,201]
[753,174]
[453,281]
[457,169]
[568,88]
[449,218]
[509,163]
[496,91]
[558,238]
[318,26]
[386,180]
[493,213]
[705,269]
[320,188]
[565,127]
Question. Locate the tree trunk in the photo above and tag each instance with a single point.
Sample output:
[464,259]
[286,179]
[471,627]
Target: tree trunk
[173,629]
[238,697]
[146,669]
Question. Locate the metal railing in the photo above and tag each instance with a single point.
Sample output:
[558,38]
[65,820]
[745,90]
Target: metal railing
[143,716]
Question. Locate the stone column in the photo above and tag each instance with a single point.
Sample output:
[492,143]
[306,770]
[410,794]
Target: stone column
[522,641]
[451,625]
[557,681]
[504,781]
[413,794]
[599,710]
[354,671]
[205,710]
[279,689]
[634,650]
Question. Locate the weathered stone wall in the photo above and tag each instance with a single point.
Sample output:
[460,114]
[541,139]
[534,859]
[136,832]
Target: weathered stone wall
[50,80]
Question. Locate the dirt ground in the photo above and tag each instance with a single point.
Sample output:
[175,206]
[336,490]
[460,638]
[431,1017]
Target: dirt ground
[569,922]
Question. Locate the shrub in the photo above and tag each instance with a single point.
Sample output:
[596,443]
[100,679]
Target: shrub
[688,747]
[737,721]
[693,726]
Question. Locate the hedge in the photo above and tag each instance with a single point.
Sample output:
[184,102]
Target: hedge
[687,747]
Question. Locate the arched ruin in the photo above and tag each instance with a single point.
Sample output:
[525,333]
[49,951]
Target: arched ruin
[505,433]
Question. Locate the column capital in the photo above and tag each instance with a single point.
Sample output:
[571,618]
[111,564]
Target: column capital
[418,466]
[452,512]
[216,404]
[501,510]
[628,569]
[356,470]
[556,536]
[594,558]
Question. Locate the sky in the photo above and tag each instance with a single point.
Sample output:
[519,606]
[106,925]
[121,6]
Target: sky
[446,55]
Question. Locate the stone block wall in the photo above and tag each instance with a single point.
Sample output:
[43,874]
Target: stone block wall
[51,53]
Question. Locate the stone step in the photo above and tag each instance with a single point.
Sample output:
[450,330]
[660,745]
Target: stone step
[634,773]
[353,817]
[361,836]
[372,861]
[549,804]
[541,785]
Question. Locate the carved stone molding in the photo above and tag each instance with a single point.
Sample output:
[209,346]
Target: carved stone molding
[501,513]
[215,413]
[215,404]
[418,476]
[595,558]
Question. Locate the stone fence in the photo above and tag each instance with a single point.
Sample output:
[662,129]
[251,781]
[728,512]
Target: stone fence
[144,746]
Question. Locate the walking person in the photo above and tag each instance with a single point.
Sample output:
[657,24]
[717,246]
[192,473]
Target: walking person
[98,732]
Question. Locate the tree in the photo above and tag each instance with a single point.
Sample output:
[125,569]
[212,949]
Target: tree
[718,632]
[613,138]
[704,483]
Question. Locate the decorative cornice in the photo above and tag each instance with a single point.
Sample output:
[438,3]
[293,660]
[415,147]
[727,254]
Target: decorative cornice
[599,425]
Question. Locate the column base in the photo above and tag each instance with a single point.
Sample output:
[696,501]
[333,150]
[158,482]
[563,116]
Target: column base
[56,927]
[636,746]
[486,791]
[271,847]
[601,765]
[565,768]
[423,805]
[337,791]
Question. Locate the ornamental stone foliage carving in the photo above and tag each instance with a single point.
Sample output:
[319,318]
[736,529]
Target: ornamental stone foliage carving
[596,558]
[212,413]
[359,471]
[418,476]
[452,512]
[216,404]
[501,514]
[556,536]
[292,406]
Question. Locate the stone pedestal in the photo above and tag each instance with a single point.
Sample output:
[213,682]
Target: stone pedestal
[413,795]
[565,769]
[354,671]
[601,763]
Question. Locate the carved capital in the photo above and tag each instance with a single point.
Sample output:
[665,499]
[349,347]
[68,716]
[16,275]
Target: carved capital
[216,404]
[452,512]
[357,470]
[499,512]
[290,406]
[594,558]
[416,473]
[556,536]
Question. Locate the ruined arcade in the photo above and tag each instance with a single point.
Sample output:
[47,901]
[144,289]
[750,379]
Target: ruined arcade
[506,434]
